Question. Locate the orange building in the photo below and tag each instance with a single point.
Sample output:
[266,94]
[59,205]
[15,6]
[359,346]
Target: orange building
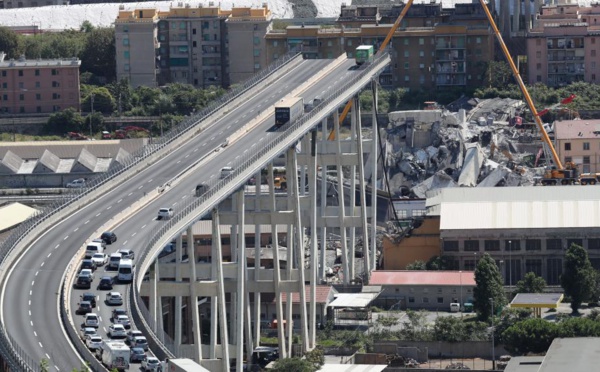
[423,243]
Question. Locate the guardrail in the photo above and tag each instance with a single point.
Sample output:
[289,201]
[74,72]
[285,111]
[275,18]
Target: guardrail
[14,356]
[216,191]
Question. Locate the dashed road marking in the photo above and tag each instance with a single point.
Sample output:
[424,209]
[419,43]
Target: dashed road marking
[150,180]
[129,194]
[143,226]
[48,356]
[66,237]
[30,292]
[31,322]
[86,222]
[109,207]
[49,254]
[37,272]
[179,162]
[98,214]
[57,246]
[32,283]
[133,234]
[195,150]
[174,204]
[125,242]
[76,229]
[42,264]
[35,333]
[42,346]
[120,200]
[187,156]
[140,187]
[29,312]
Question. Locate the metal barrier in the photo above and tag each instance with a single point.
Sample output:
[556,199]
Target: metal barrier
[215,191]
[17,358]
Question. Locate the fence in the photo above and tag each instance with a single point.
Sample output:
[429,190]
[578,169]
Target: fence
[217,189]
[14,356]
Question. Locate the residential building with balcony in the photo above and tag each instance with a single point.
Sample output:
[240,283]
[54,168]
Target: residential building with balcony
[38,86]
[201,46]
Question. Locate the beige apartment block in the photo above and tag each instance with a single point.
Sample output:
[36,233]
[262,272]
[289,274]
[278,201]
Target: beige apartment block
[578,141]
[38,86]
[202,46]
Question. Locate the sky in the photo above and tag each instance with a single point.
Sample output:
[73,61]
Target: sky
[103,15]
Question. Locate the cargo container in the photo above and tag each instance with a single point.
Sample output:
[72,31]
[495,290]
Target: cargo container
[288,110]
[364,54]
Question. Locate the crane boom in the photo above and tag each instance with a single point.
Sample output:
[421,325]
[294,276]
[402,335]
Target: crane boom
[382,47]
[522,86]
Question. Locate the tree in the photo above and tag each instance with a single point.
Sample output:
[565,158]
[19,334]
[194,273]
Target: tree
[594,296]
[531,283]
[578,276]
[44,365]
[488,286]
[441,263]
[532,335]
[316,357]
[104,102]
[86,26]
[417,265]
[9,42]
[293,365]
[499,74]
[64,121]
[98,55]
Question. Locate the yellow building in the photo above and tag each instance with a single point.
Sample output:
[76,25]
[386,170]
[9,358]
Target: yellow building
[422,244]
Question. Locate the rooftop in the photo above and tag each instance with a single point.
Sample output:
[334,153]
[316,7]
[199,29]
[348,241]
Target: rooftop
[577,129]
[13,214]
[572,354]
[323,293]
[422,277]
[537,300]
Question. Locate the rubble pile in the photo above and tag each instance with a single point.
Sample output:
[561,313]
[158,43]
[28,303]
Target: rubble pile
[485,145]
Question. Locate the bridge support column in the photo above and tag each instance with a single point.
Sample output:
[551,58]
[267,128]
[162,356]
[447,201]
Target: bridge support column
[214,305]
[193,295]
[363,196]
[257,259]
[241,279]
[314,254]
[324,184]
[341,203]
[152,297]
[159,306]
[354,118]
[374,152]
[178,302]
[220,300]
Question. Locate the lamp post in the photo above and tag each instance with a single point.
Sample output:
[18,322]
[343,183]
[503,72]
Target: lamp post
[493,345]
[509,264]
[92,115]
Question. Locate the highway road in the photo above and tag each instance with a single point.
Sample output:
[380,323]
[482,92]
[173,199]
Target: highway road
[30,297]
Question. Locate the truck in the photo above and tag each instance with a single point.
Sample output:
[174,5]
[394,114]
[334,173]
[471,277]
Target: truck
[115,354]
[182,365]
[364,54]
[287,110]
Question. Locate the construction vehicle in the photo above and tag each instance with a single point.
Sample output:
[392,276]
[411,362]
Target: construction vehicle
[125,132]
[363,54]
[589,178]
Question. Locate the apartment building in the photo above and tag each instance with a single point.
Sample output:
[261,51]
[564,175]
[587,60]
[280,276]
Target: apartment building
[564,47]
[578,141]
[38,86]
[201,46]
[430,54]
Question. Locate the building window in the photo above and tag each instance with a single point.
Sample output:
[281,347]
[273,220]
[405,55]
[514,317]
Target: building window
[512,245]
[594,243]
[256,52]
[38,84]
[37,72]
[471,245]
[55,96]
[421,53]
[406,65]
[4,85]
[533,245]
[440,300]
[3,73]
[126,54]
[425,300]
[126,41]
[593,53]
[586,146]
[21,110]
[533,266]
[478,40]
[553,244]
[38,97]
[5,97]
[256,40]
[20,72]
[406,41]
[329,43]
[54,71]
[21,97]
[568,159]
[55,84]
[450,245]
[492,245]
[578,242]
[469,265]
[411,300]
[406,53]
[567,146]
[421,41]
[38,109]
[554,267]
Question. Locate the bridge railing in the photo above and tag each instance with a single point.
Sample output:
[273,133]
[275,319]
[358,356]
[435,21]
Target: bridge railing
[216,188]
[14,355]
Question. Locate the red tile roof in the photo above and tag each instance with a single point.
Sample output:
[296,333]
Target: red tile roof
[322,294]
[421,277]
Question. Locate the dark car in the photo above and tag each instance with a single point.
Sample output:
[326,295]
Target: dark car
[88,264]
[90,297]
[137,355]
[118,311]
[84,307]
[109,237]
[83,282]
[106,282]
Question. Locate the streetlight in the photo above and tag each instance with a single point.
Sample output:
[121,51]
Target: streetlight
[92,115]
[493,346]
[509,263]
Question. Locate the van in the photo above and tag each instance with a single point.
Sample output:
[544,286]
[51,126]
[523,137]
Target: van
[454,307]
[93,248]
[125,270]
[226,172]
[113,260]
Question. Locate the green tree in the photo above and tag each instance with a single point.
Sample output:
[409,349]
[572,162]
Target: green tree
[594,296]
[532,335]
[64,121]
[387,321]
[417,265]
[488,286]
[98,55]
[44,365]
[449,328]
[86,26]
[9,42]
[293,365]
[103,101]
[508,318]
[531,283]
[441,263]
[316,357]
[499,74]
[578,276]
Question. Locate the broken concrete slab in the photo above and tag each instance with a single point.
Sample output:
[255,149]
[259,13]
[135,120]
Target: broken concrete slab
[474,159]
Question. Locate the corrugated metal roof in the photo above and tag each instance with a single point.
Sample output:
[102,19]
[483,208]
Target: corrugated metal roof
[353,299]
[519,207]
[72,149]
[422,277]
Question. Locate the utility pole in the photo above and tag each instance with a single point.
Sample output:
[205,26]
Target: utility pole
[493,345]
[92,114]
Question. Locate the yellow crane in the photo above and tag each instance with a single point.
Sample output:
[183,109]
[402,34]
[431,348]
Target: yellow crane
[382,47]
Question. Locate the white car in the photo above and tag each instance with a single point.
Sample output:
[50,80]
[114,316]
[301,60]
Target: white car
[113,260]
[139,341]
[100,259]
[117,331]
[114,298]
[150,364]
[76,184]
[88,331]
[133,334]
[122,320]
[165,213]
[91,320]
[94,342]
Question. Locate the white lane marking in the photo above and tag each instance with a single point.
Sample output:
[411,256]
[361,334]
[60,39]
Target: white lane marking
[243,117]
[120,200]
[204,144]
[150,180]
[212,139]
[30,292]
[228,127]
[229,163]
[183,197]
[37,272]
[195,150]
[252,110]
[179,162]
[76,229]
[187,156]
[31,322]
[49,254]
[32,283]
[132,235]
[143,226]
[86,222]
[29,302]
[48,356]
[109,207]
[98,214]
[29,312]
[42,346]
[42,264]
[125,242]
[130,194]
[57,246]
[174,204]
[100,318]
[57,368]
[245,151]
[237,121]
[140,187]
[35,333]
[221,132]
[105,331]
[66,237]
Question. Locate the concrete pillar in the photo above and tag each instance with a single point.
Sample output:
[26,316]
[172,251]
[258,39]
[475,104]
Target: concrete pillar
[220,291]
[153,295]
[323,201]
[276,266]
[193,295]
[159,307]
[178,302]
[257,259]
[341,202]
[241,282]
[353,120]
[214,306]
[314,254]
[291,172]
[374,152]
[363,196]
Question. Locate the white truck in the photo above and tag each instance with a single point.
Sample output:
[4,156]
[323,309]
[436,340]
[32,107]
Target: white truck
[288,110]
[182,365]
[115,354]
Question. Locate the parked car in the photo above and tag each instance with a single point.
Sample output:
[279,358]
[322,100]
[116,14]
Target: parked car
[137,355]
[100,259]
[150,364]
[133,334]
[117,331]
[127,253]
[87,296]
[76,184]
[116,312]
[140,341]
[94,342]
[165,213]
[109,237]
[88,331]
[123,320]
[88,263]
[84,308]
[114,299]
[106,282]
[91,320]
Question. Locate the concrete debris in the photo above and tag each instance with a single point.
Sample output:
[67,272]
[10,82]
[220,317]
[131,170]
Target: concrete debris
[483,144]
